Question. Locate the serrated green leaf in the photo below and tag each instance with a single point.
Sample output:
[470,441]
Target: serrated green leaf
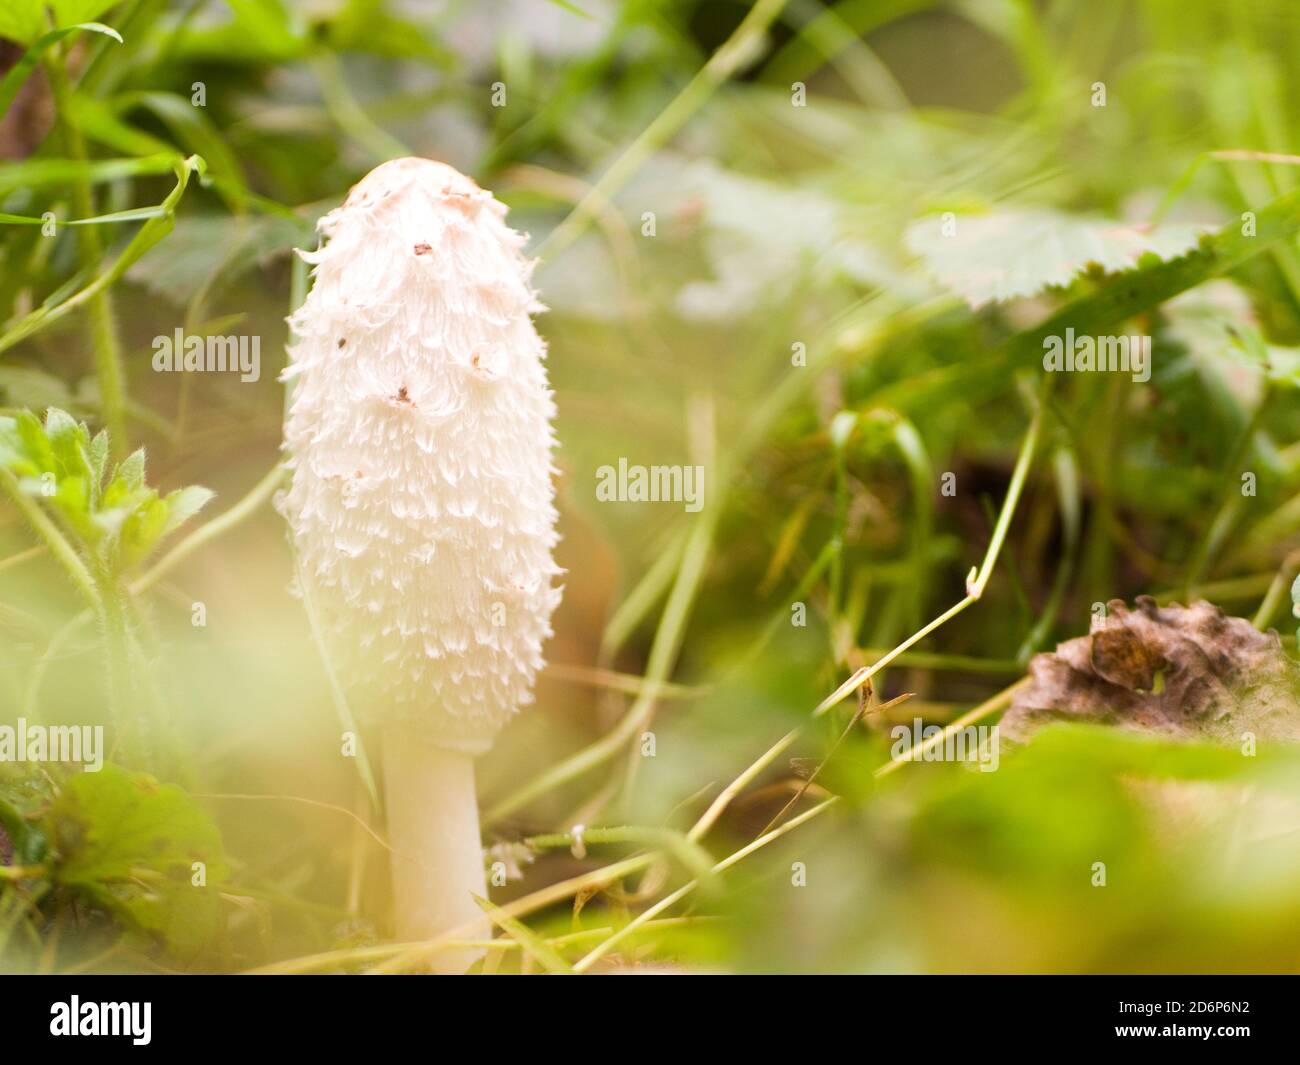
[1016,252]
[59,464]
[129,844]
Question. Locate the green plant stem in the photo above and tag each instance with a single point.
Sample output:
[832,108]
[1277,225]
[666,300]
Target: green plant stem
[22,556]
[839,340]
[45,528]
[692,856]
[663,654]
[989,706]
[149,234]
[975,582]
[950,663]
[348,114]
[1217,529]
[103,320]
[1068,499]
[31,698]
[643,596]
[416,954]
[117,646]
[734,52]
[668,900]
[223,523]
[1235,588]
[335,958]
[337,693]
[1277,589]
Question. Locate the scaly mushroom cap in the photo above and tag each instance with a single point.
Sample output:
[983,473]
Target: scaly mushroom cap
[420,437]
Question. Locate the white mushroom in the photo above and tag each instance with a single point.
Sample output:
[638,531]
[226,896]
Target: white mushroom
[422,506]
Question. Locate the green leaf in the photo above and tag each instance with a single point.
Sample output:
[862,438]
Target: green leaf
[72,497]
[20,71]
[100,121]
[133,214]
[262,31]
[206,247]
[68,440]
[572,8]
[40,173]
[129,474]
[25,837]
[109,520]
[22,20]
[75,478]
[60,464]
[143,529]
[154,230]
[183,504]
[59,425]
[365,26]
[67,12]
[97,454]
[1015,252]
[129,844]
[36,448]
[192,128]
[11,445]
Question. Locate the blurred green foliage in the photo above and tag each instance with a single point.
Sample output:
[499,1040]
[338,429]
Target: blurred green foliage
[118,519]
[739,291]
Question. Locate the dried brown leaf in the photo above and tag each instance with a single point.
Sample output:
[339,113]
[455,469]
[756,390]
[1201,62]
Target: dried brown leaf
[1190,672]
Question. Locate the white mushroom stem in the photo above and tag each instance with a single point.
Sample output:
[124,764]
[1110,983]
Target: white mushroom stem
[437,858]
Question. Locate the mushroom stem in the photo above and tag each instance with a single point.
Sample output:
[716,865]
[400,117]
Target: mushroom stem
[437,856]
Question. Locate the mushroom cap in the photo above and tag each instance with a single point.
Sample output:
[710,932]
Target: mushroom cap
[420,440]
[397,175]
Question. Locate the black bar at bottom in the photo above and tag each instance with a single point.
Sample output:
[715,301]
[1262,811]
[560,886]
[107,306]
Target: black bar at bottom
[266,1014]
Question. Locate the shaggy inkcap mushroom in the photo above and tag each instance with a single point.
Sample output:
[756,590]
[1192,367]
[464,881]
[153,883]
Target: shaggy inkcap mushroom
[421,439]
[422,505]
